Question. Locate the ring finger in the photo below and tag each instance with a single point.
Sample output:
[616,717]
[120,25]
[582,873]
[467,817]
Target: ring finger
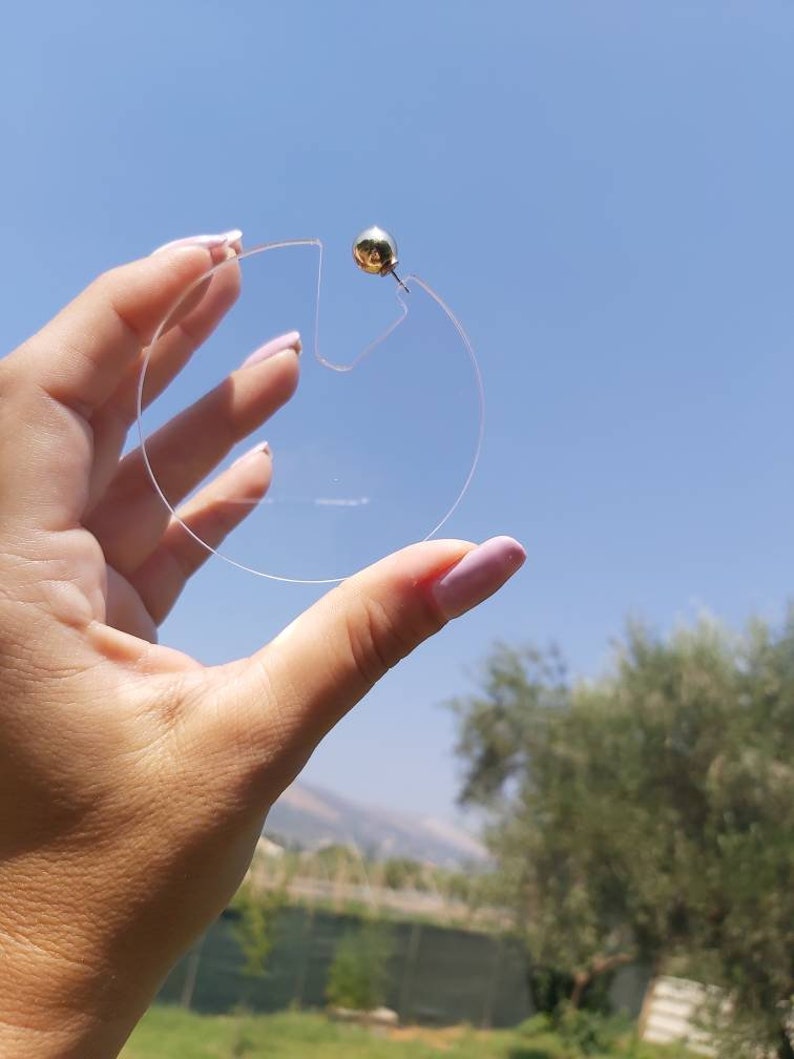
[130,518]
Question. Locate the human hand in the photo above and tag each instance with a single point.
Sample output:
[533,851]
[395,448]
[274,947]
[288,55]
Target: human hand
[134,781]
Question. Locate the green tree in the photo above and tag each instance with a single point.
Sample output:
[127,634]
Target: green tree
[649,813]
[254,926]
[523,760]
[400,873]
[359,977]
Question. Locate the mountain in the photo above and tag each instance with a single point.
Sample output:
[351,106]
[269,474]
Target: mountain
[313,817]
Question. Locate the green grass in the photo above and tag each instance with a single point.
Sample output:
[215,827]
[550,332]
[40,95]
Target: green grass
[171,1033]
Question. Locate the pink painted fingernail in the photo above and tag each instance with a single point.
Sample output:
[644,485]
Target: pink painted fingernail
[230,238]
[292,340]
[478,575]
[262,448]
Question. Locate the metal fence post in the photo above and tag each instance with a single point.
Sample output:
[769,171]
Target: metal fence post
[490,993]
[191,973]
[300,981]
[408,969]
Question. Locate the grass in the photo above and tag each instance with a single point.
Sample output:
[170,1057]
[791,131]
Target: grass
[171,1033]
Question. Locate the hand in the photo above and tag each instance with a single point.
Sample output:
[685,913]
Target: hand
[134,781]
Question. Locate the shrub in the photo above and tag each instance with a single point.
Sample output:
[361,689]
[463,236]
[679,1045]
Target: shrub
[359,974]
[588,1032]
[536,1025]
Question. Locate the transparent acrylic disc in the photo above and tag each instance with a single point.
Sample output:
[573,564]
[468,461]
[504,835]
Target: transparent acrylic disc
[376,447]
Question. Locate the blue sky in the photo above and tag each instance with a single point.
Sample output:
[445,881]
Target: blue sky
[602,191]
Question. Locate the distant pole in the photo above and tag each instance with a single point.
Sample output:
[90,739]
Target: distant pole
[490,996]
[365,876]
[308,932]
[408,969]
[191,973]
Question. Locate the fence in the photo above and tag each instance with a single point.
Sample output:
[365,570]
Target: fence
[437,976]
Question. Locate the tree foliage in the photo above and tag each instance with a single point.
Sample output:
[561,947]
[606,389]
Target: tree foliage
[358,978]
[254,926]
[649,813]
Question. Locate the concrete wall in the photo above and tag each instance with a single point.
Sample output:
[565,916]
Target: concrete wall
[671,1012]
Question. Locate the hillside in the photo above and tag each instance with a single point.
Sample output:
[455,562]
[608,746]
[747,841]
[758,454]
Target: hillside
[313,817]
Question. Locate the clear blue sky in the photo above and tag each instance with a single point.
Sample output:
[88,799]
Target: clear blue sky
[603,191]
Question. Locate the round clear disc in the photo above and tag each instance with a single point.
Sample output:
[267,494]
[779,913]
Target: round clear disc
[374,450]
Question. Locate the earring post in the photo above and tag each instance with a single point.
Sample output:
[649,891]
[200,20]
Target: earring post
[407,291]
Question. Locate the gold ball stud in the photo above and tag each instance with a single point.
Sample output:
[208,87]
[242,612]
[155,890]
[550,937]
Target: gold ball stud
[375,252]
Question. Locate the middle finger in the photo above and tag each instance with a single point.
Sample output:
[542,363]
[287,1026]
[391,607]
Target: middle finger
[193,322]
[130,518]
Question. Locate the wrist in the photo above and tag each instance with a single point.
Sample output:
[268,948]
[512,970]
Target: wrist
[83,1038]
[58,1005]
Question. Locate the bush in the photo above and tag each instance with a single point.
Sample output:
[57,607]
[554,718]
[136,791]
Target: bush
[588,1032]
[359,974]
[536,1025]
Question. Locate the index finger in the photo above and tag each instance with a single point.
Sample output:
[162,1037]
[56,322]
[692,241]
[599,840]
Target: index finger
[82,355]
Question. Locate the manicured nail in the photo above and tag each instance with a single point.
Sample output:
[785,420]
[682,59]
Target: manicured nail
[478,575]
[292,340]
[261,448]
[224,239]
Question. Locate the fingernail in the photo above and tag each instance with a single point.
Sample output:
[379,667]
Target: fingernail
[261,447]
[224,239]
[292,340]
[478,575]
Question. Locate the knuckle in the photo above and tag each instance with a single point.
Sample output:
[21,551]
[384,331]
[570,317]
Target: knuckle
[13,380]
[379,639]
[106,284]
[111,288]
[255,730]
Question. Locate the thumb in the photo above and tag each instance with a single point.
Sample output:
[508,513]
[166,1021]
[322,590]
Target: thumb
[287,696]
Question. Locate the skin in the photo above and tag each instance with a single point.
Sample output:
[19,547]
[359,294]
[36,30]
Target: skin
[134,781]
